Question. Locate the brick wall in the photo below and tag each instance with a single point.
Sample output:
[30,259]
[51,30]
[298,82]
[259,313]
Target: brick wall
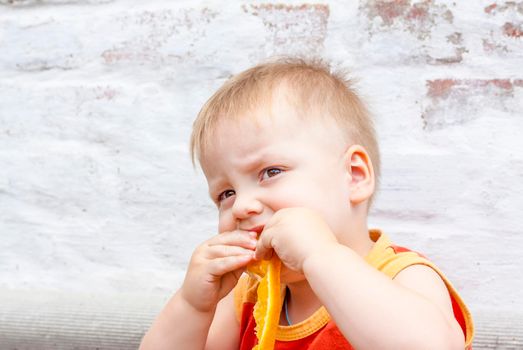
[97,192]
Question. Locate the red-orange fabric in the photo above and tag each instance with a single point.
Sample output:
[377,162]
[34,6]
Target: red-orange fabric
[458,313]
[328,337]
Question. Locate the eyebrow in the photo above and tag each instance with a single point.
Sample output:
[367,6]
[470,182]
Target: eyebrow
[212,186]
[246,166]
[253,163]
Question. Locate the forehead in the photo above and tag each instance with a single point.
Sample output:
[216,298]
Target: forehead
[235,141]
[275,130]
[282,112]
[280,115]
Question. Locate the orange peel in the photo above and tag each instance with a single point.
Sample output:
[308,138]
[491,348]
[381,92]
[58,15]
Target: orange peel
[268,304]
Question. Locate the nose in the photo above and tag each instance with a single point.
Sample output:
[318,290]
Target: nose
[245,206]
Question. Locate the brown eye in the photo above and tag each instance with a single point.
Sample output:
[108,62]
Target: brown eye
[225,194]
[270,172]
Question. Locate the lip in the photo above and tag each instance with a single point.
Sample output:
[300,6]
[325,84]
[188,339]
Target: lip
[257,229]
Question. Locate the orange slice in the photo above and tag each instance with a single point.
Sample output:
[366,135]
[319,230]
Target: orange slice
[268,305]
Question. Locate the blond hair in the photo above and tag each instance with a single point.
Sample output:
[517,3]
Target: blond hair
[313,88]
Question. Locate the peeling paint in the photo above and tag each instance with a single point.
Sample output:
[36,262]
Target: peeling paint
[512,30]
[419,19]
[510,6]
[440,87]
[489,46]
[457,58]
[421,24]
[20,3]
[491,8]
[299,29]
[388,11]
[156,31]
[455,38]
[508,16]
[446,96]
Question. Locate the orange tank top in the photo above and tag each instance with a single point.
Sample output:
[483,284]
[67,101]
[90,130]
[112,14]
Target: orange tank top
[319,332]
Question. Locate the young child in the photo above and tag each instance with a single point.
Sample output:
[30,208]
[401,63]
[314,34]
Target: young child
[290,155]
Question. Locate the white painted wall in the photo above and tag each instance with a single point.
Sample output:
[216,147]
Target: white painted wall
[97,192]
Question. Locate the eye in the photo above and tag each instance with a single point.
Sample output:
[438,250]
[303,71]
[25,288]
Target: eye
[225,194]
[270,172]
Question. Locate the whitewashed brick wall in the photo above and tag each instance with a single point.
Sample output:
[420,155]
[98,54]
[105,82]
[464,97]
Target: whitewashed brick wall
[97,97]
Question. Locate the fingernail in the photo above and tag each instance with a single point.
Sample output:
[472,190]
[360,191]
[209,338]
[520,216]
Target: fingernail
[253,234]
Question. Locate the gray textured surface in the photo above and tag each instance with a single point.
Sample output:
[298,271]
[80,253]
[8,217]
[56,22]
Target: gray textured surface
[47,321]
[58,321]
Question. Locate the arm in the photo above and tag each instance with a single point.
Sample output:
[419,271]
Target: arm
[224,333]
[373,312]
[179,325]
[195,316]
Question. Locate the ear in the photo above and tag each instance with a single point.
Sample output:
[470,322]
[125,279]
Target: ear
[360,174]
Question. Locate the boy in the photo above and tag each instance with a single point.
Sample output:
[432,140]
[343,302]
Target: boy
[290,156]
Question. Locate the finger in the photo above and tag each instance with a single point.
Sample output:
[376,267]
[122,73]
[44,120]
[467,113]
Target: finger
[229,280]
[221,251]
[239,238]
[221,266]
[238,272]
[264,248]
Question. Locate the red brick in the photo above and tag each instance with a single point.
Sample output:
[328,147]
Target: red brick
[390,10]
[418,12]
[294,29]
[156,30]
[506,6]
[440,87]
[417,23]
[443,88]
[403,11]
[515,31]
[455,101]
[508,16]
[490,46]
[490,8]
[504,84]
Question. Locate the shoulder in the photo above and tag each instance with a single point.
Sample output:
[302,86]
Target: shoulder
[424,278]
[415,272]
[426,281]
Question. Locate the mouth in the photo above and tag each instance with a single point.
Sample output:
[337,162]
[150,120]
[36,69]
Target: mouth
[257,229]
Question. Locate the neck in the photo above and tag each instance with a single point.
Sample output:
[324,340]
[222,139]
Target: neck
[357,237]
[302,302]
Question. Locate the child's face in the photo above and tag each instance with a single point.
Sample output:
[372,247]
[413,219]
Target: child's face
[261,164]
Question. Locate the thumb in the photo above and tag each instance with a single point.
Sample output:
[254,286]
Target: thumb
[264,249]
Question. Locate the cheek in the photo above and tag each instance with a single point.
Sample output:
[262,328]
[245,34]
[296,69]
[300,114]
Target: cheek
[330,199]
[225,222]
[292,193]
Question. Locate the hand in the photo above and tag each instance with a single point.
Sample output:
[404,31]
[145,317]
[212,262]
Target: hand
[215,267]
[294,234]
